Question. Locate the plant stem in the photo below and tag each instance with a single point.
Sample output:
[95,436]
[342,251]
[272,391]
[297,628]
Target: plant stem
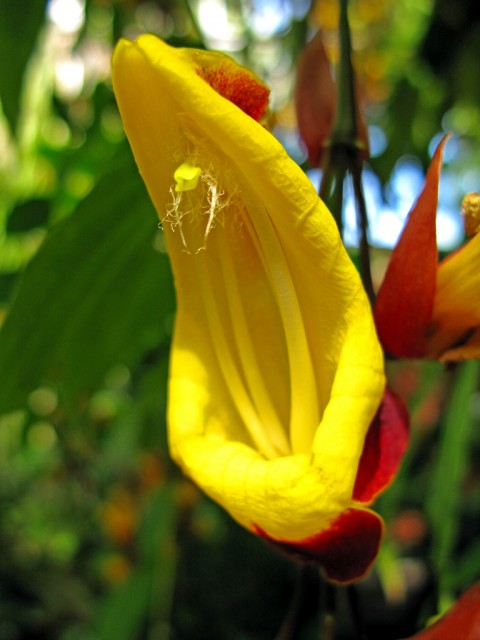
[331,189]
[357,620]
[345,128]
[328,621]
[290,625]
[344,152]
[362,218]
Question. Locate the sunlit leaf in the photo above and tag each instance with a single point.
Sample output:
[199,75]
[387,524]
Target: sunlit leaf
[20,23]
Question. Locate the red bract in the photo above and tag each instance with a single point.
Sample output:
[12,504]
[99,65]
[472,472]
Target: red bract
[427,309]
[462,622]
[385,445]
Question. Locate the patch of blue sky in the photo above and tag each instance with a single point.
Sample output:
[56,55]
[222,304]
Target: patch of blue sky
[387,215]
[221,28]
[269,18]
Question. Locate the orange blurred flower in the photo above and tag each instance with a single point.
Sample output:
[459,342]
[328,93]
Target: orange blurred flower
[119,515]
[115,568]
[152,472]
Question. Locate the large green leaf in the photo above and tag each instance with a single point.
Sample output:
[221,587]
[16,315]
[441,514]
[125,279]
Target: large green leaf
[96,294]
[20,22]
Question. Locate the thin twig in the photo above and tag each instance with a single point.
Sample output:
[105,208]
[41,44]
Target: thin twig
[290,625]
[328,621]
[356,613]
[333,182]
[362,218]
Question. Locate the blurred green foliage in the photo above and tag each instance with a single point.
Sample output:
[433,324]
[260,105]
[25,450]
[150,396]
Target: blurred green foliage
[96,281]
[101,536]
[19,29]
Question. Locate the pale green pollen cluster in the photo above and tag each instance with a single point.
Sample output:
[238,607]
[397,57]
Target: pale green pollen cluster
[186,176]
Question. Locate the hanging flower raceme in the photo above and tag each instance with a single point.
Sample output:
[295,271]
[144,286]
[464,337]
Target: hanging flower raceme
[427,309]
[276,371]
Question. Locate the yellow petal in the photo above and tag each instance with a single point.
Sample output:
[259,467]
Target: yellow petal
[471,213]
[276,371]
[457,302]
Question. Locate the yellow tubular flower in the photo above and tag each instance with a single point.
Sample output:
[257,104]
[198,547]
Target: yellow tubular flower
[276,371]
[456,311]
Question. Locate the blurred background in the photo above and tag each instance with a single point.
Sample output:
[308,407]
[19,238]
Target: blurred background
[101,537]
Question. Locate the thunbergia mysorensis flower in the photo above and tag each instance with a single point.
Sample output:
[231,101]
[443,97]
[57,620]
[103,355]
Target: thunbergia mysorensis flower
[276,371]
[427,309]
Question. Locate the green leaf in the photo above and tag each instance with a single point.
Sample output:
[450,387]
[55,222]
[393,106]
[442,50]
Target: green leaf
[467,567]
[157,549]
[123,613]
[444,497]
[145,598]
[20,24]
[95,295]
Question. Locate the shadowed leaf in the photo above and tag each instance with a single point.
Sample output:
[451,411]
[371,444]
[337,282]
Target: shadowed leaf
[95,295]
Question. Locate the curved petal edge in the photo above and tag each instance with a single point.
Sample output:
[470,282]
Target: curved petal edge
[385,445]
[345,551]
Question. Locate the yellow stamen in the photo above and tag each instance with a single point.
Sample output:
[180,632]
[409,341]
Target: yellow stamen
[471,213]
[186,176]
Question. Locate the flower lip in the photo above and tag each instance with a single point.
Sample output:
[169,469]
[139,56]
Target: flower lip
[345,550]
